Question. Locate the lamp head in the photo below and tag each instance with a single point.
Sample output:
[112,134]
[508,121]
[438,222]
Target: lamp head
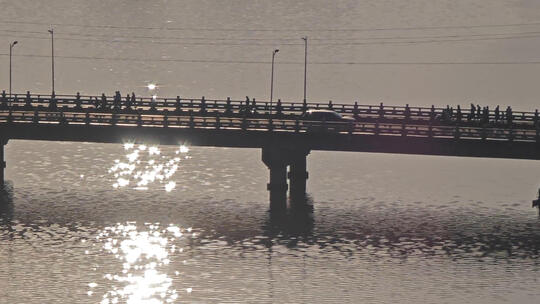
[15,42]
[275,51]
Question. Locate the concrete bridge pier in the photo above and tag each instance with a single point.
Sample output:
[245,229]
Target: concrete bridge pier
[277,158]
[276,161]
[3,142]
[536,202]
[298,176]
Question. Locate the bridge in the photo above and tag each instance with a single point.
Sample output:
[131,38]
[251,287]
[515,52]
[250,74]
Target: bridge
[281,129]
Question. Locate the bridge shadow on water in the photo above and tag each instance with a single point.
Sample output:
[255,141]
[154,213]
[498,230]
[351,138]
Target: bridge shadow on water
[383,232]
[6,203]
[297,221]
[369,229]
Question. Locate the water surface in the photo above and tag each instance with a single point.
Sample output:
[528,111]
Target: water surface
[86,223]
[381,229]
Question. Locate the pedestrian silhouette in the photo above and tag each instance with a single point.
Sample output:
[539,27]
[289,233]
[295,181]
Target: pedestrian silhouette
[254,106]
[78,101]
[407,112]
[485,115]
[117,100]
[509,116]
[127,103]
[133,101]
[103,101]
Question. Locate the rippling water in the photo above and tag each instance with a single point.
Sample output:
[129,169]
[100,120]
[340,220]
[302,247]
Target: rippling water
[97,223]
[381,230]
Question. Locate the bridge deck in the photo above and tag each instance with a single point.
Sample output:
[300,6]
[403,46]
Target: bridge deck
[416,130]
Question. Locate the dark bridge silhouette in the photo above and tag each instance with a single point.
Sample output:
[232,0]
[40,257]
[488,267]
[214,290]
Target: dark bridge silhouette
[284,133]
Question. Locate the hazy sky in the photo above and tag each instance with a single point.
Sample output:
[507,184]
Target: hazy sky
[223,48]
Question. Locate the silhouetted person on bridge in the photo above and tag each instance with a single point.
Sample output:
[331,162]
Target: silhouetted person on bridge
[407,112]
[497,113]
[254,106]
[133,100]
[28,101]
[448,112]
[509,115]
[478,111]
[472,110]
[78,102]
[228,107]
[444,115]
[117,100]
[485,115]
[244,107]
[52,102]
[128,102]
[279,107]
[355,110]
[3,100]
[103,101]
[458,114]
[153,104]
[202,108]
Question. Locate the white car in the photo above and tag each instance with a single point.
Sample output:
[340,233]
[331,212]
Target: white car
[327,120]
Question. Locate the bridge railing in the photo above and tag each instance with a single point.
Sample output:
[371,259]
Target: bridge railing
[277,107]
[194,121]
[238,109]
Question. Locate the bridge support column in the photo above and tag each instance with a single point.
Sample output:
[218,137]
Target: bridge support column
[298,176]
[536,202]
[276,160]
[3,142]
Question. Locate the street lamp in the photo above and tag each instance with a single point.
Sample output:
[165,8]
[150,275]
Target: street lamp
[51,31]
[272,79]
[11,45]
[305,65]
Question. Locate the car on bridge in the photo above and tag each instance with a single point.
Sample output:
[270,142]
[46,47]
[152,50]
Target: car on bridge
[327,120]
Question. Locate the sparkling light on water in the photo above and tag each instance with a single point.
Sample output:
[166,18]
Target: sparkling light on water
[144,256]
[153,150]
[145,165]
[183,149]
[170,186]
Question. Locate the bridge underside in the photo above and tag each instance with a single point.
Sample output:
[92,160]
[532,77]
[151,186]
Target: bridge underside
[258,139]
[279,149]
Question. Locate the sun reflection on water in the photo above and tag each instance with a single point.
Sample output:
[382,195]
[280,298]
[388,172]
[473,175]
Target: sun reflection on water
[144,256]
[144,165]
